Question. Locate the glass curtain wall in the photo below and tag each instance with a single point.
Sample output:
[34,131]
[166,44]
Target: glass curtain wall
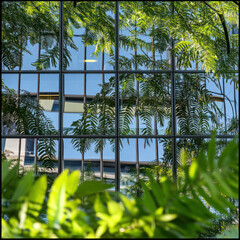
[96,87]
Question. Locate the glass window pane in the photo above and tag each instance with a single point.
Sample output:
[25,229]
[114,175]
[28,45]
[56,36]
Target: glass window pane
[40,155]
[47,156]
[90,42]
[30,35]
[49,83]
[29,82]
[95,155]
[151,94]
[93,113]
[199,110]
[138,155]
[144,46]
[10,81]
[74,84]
[231,103]
[33,118]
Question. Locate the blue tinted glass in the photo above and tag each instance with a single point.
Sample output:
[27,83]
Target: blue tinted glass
[11,81]
[29,82]
[49,83]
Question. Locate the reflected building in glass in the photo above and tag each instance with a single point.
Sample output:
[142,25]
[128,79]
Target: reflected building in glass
[97,89]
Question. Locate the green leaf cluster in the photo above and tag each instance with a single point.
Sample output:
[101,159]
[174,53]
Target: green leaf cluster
[84,210]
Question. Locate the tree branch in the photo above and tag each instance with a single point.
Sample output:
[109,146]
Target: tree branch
[222,19]
[236,2]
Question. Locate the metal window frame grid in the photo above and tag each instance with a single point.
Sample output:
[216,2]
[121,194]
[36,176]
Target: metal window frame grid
[117,71]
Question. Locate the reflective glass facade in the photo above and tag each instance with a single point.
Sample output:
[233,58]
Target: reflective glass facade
[105,95]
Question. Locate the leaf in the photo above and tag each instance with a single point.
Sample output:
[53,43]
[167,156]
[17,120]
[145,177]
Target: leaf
[211,153]
[9,179]
[70,31]
[227,154]
[36,196]
[91,187]
[213,201]
[114,207]
[56,201]
[101,230]
[5,172]
[23,214]
[201,159]
[157,190]
[98,205]
[148,200]
[24,186]
[167,217]
[5,230]
[148,224]
[130,205]
[193,170]
[72,183]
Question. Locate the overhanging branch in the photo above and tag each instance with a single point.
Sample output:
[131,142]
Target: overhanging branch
[236,2]
[222,19]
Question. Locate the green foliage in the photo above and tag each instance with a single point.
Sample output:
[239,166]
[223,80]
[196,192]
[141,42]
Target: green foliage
[32,23]
[91,187]
[164,210]
[233,232]
[201,30]
[23,206]
[218,226]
